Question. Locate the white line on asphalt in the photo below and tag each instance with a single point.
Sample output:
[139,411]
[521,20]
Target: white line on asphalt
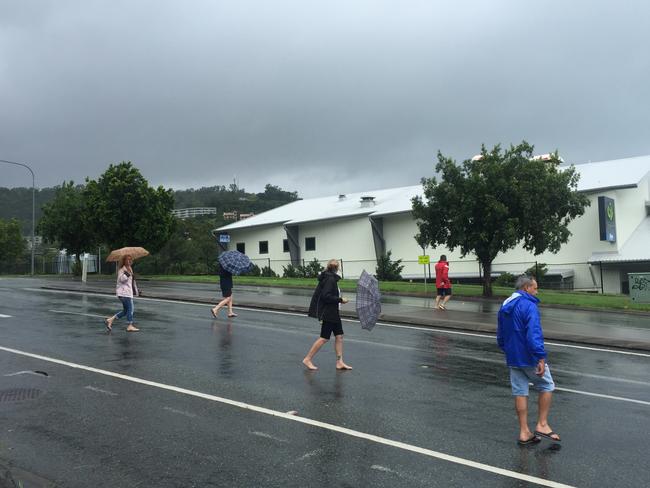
[303,420]
[3,316]
[77,313]
[412,327]
[24,372]
[180,412]
[267,436]
[599,395]
[99,390]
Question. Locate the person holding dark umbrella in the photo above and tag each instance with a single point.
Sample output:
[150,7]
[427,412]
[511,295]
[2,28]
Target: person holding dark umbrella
[230,263]
[225,283]
[324,306]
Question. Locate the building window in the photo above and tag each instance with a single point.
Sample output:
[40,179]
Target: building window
[310,243]
[241,247]
[264,247]
[285,245]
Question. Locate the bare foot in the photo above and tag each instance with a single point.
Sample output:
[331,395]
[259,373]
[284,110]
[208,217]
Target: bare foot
[341,365]
[232,315]
[214,311]
[310,366]
[109,324]
[132,328]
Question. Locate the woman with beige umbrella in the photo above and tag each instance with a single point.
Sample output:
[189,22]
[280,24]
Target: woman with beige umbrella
[126,287]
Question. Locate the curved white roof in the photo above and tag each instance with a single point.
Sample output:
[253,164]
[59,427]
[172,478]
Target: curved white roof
[618,173]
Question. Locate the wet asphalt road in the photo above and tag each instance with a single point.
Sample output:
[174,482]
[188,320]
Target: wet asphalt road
[435,390]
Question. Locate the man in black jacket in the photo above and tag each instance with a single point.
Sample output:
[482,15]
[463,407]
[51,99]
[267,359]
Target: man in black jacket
[325,307]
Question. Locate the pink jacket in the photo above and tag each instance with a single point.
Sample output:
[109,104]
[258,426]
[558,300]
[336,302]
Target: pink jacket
[125,286]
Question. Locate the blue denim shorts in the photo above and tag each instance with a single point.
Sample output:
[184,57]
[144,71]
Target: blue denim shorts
[521,377]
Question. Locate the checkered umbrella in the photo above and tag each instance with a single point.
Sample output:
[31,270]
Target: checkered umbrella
[235,262]
[368,300]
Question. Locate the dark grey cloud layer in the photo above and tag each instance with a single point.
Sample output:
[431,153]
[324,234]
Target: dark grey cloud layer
[318,97]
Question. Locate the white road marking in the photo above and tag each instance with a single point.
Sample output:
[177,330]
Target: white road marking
[266,436]
[3,316]
[24,372]
[383,324]
[77,313]
[599,395]
[309,454]
[99,390]
[180,412]
[303,420]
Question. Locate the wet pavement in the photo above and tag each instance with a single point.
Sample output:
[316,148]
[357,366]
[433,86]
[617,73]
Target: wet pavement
[604,328]
[212,408]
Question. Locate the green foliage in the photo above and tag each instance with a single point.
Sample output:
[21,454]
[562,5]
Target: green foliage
[65,220]
[12,244]
[538,271]
[254,271]
[387,269]
[490,204]
[291,271]
[125,211]
[233,198]
[506,279]
[268,272]
[311,269]
[17,203]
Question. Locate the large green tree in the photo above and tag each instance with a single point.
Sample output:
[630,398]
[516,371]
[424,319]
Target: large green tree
[12,244]
[491,203]
[126,211]
[65,220]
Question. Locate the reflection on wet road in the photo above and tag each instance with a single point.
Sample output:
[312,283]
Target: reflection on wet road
[438,393]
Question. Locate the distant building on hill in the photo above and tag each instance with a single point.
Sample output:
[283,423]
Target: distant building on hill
[188,213]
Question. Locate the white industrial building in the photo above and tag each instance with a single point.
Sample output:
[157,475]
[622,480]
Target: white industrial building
[605,245]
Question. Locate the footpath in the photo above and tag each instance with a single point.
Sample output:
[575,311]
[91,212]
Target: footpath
[600,328]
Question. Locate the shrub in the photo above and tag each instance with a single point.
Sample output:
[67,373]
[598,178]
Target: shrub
[537,271]
[268,272]
[388,270]
[291,271]
[506,280]
[254,271]
[312,269]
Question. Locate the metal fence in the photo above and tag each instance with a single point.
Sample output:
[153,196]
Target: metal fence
[560,276]
[580,276]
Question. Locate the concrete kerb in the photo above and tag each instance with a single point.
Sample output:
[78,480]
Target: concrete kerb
[432,322]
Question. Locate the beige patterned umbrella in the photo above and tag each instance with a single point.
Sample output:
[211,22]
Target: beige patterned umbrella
[134,252]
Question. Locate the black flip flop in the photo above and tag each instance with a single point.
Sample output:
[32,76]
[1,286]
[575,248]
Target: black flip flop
[108,327]
[529,442]
[213,314]
[549,436]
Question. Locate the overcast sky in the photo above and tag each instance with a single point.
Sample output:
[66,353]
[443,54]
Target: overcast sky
[317,97]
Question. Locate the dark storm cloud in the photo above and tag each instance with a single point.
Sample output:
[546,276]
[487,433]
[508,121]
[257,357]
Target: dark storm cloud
[311,96]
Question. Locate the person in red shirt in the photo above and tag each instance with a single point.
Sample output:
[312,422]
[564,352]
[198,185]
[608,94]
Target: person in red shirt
[442,283]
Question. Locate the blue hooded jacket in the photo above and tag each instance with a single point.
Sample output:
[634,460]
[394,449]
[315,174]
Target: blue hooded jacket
[519,333]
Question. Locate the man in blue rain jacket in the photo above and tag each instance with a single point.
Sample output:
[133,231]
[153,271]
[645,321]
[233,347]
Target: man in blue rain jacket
[519,335]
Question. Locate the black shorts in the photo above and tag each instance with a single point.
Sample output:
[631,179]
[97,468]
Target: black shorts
[226,293]
[444,292]
[328,327]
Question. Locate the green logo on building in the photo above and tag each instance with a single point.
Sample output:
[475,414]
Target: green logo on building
[610,211]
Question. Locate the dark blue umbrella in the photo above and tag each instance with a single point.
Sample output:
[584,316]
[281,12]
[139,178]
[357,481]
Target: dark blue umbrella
[235,262]
[368,300]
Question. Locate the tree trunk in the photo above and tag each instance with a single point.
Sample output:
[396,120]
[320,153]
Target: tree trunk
[487,278]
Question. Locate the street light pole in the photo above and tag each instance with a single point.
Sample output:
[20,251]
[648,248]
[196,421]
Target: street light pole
[33,204]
